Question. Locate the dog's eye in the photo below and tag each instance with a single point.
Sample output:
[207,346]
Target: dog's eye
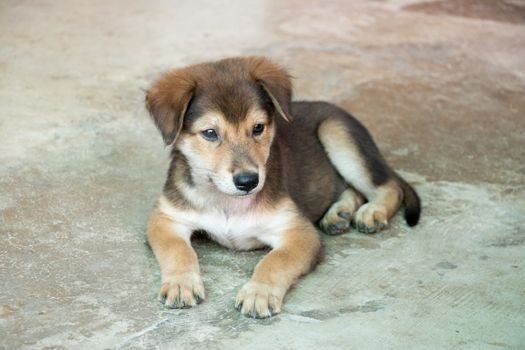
[210,135]
[258,129]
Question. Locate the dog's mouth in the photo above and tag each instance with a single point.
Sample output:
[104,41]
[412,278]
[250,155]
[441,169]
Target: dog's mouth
[241,193]
[246,194]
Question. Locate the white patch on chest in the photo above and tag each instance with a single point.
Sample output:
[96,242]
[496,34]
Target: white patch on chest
[235,227]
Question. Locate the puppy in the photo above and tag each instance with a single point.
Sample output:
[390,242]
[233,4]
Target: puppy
[253,169]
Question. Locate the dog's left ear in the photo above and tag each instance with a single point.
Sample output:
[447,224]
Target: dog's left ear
[275,81]
[168,100]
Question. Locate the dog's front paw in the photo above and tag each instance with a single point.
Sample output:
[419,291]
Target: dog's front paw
[181,290]
[371,218]
[259,300]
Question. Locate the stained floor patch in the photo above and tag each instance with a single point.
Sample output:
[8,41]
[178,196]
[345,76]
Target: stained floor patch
[495,10]
[446,265]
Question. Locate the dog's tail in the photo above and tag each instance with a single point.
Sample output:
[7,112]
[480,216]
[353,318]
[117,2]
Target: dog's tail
[411,202]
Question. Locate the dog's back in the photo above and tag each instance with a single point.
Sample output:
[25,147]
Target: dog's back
[311,180]
[310,176]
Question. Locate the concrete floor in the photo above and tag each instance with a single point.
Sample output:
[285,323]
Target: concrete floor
[440,84]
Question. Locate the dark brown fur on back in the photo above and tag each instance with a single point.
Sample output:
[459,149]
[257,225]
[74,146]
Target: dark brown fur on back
[311,179]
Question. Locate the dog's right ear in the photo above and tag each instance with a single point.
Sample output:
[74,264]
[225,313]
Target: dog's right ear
[167,102]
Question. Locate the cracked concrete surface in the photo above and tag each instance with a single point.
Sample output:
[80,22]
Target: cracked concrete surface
[440,84]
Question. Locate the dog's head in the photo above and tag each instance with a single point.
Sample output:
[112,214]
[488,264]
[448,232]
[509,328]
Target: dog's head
[221,117]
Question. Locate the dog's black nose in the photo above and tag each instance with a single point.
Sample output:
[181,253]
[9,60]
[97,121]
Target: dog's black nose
[246,181]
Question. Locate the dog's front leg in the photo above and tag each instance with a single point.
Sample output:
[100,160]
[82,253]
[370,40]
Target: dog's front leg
[181,281]
[294,253]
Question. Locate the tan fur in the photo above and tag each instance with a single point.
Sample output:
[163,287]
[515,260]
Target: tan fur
[380,208]
[263,295]
[345,156]
[181,282]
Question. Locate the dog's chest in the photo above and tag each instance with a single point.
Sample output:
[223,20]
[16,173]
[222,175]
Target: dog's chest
[241,232]
[235,227]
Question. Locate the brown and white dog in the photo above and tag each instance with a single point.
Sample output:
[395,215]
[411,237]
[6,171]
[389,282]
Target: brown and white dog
[253,169]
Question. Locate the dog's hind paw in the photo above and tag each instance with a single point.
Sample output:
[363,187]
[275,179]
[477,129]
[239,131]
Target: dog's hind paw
[337,219]
[336,224]
[335,227]
[370,218]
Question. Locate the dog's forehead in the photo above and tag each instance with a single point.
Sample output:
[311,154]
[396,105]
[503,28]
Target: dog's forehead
[215,118]
[233,99]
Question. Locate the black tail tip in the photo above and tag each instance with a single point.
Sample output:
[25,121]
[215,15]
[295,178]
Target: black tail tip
[411,202]
[412,216]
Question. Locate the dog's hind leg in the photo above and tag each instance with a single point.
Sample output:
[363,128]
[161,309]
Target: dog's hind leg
[337,219]
[355,156]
